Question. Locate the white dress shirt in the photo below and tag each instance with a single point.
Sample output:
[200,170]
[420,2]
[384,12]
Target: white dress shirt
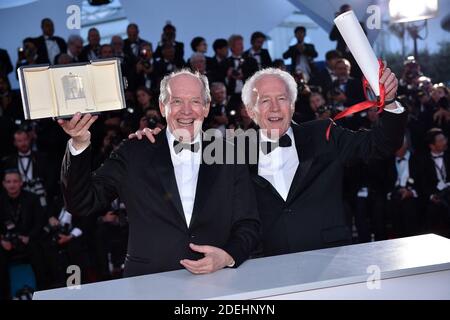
[441,171]
[186,165]
[52,49]
[279,166]
[25,167]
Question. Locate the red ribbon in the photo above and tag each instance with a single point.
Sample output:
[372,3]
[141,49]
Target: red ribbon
[379,103]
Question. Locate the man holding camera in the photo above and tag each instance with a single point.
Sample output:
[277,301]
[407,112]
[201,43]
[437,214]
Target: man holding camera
[302,55]
[21,222]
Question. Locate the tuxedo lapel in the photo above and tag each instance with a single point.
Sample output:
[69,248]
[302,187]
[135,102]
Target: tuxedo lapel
[305,153]
[206,179]
[163,165]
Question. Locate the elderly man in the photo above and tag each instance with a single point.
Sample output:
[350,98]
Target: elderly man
[298,182]
[173,198]
[298,174]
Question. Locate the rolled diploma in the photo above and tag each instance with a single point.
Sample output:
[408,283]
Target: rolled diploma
[359,46]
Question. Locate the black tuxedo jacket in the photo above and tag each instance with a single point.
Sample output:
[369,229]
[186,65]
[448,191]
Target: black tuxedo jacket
[391,174]
[141,174]
[84,55]
[313,215]
[42,49]
[428,178]
[30,215]
[43,168]
[266,60]
[292,53]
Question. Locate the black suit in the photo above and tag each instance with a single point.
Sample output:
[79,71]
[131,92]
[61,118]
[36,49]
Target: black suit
[437,215]
[313,216]
[353,91]
[42,167]
[248,66]
[86,52]
[266,60]
[217,70]
[127,49]
[42,49]
[293,53]
[142,175]
[179,52]
[403,212]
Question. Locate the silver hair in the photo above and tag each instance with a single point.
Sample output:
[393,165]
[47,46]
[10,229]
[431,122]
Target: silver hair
[249,86]
[73,38]
[164,87]
[198,56]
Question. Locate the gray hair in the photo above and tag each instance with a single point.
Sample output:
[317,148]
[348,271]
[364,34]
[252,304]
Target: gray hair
[164,87]
[249,86]
[73,38]
[197,56]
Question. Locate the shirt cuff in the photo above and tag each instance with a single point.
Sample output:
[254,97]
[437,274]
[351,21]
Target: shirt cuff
[76,232]
[398,110]
[74,151]
[231,265]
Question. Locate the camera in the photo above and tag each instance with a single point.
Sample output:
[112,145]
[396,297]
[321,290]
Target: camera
[324,108]
[36,186]
[152,122]
[12,235]
[53,232]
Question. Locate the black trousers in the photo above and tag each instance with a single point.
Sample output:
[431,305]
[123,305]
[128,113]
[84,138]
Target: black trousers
[405,217]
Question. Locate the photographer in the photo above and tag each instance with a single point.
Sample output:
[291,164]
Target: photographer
[21,222]
[168,38]
[302,55]
[345,91]
[146,77]
[152,119]
[435,183]
[239,68]
[64,243]
[218,116]
[111,241]
[408,83]
[27,54]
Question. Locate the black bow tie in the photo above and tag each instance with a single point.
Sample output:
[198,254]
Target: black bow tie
[400,160]
[437,157]
[24,156]
[180,146]
[267,146]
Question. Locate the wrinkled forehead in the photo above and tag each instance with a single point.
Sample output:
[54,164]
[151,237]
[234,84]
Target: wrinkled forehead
[185,85]
[270,85]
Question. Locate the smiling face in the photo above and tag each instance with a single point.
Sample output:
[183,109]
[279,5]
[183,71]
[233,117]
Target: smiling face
[273,109]
[185,108]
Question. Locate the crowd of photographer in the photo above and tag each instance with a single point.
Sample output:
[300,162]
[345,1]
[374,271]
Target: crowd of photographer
[406,195]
